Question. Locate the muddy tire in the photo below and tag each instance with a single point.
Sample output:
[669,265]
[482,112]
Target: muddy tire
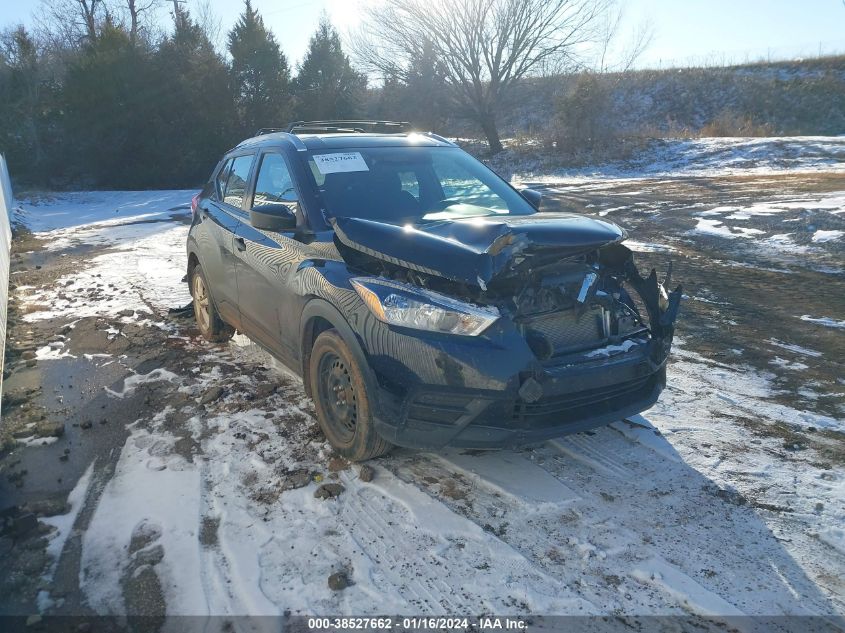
[209,323]
[341,401]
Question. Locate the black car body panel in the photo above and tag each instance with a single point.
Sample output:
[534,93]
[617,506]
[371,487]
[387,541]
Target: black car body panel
[475,250]
[551,364]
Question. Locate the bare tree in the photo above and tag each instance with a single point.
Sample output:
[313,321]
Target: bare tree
[70,22]
[136,9]
[612,56]
[88,9]
[209,22]
[485,46]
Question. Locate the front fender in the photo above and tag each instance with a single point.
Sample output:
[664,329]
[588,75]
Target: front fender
[319,309]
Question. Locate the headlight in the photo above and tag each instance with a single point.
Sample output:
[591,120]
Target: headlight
[408,306]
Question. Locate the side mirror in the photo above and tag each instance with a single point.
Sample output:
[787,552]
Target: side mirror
[533,196]
[273,217]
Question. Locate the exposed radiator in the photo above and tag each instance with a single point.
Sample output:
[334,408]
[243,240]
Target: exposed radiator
[565,332]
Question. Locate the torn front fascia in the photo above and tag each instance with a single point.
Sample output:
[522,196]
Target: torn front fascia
[662,308]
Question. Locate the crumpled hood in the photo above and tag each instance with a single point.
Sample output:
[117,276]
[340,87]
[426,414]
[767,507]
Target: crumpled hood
[475,250]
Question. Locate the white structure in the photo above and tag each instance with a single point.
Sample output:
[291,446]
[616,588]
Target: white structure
[6,204]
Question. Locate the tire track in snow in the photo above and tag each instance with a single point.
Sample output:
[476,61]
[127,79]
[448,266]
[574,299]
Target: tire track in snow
[441,549]
[579,447]
[662,510]
[421,588]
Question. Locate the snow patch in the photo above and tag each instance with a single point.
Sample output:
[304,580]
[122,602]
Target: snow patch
[795,348]
[131,383]
[835,537]
[715,227]
[142,492]
[686,591]
[63,523]
[49,352]
[612,350]
[826,321]
[827,236]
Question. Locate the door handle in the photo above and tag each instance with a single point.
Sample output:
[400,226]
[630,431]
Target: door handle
[240,244]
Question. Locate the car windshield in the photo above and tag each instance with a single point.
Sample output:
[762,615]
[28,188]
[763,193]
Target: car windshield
[410,184]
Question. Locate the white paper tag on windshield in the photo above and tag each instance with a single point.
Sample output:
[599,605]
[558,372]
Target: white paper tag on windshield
[336,163]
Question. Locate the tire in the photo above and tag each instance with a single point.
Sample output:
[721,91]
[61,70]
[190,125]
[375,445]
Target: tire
[340,398]
[209,323]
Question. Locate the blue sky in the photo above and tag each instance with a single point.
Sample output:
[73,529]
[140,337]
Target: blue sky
[686,31]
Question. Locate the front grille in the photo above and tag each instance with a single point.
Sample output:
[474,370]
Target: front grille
[438,408]
[566,332]
[555,410]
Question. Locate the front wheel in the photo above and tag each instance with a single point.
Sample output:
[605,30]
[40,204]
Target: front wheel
[209,323]
[341,401]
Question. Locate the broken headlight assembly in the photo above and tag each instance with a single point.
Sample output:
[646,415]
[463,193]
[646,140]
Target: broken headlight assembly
[408,306]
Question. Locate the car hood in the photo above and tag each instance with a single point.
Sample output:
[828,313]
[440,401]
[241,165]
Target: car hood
[475,250]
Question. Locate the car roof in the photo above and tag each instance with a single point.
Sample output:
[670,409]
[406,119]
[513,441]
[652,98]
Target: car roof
[345,140]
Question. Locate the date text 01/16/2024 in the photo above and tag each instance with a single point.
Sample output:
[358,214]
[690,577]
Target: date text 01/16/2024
[417,624]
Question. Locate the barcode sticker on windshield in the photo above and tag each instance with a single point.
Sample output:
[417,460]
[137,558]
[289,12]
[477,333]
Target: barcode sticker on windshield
[336,163]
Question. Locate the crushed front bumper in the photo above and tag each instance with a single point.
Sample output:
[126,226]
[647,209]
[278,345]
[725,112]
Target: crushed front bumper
[491,391]
[573,398]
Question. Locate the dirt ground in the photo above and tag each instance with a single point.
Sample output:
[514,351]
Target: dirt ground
[727,495]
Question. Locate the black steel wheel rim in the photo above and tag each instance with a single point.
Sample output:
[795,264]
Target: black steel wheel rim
[337,395]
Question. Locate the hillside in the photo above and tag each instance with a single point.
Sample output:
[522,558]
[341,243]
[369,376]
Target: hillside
[780,98]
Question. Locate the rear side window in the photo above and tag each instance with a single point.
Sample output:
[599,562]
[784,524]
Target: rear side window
[220,181]
[237,180]
[274,184]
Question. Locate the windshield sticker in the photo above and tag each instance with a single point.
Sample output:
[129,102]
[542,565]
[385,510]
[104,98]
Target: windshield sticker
[336,163]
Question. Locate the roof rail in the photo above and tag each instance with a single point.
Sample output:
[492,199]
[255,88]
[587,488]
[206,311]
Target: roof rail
[342,127]
[437,137]
[347,127]
[270,130]
[293,138]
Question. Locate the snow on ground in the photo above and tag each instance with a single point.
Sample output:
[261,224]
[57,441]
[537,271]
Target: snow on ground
[689,157]
[827,236]
[715,227]
[77,213]
[802,228]
[778,215]
[145,263]
[826,321]
[682,510]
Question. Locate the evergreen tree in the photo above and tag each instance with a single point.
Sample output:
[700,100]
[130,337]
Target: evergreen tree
[417,94]
[387,102]
[21,101]
[260,74]
[426,97]
[327,85]
[196,111]
[112,97]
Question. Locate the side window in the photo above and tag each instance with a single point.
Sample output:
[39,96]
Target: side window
[410,183]
[236,182]
[220,181]
[274,184]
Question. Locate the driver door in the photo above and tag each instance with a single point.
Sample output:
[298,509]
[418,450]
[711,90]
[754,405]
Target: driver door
[267,260]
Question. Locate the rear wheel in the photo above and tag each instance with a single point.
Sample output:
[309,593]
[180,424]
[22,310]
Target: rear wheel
[340,398]
[209,323]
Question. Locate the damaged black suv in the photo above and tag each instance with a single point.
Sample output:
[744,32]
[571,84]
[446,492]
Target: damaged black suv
[423,300]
